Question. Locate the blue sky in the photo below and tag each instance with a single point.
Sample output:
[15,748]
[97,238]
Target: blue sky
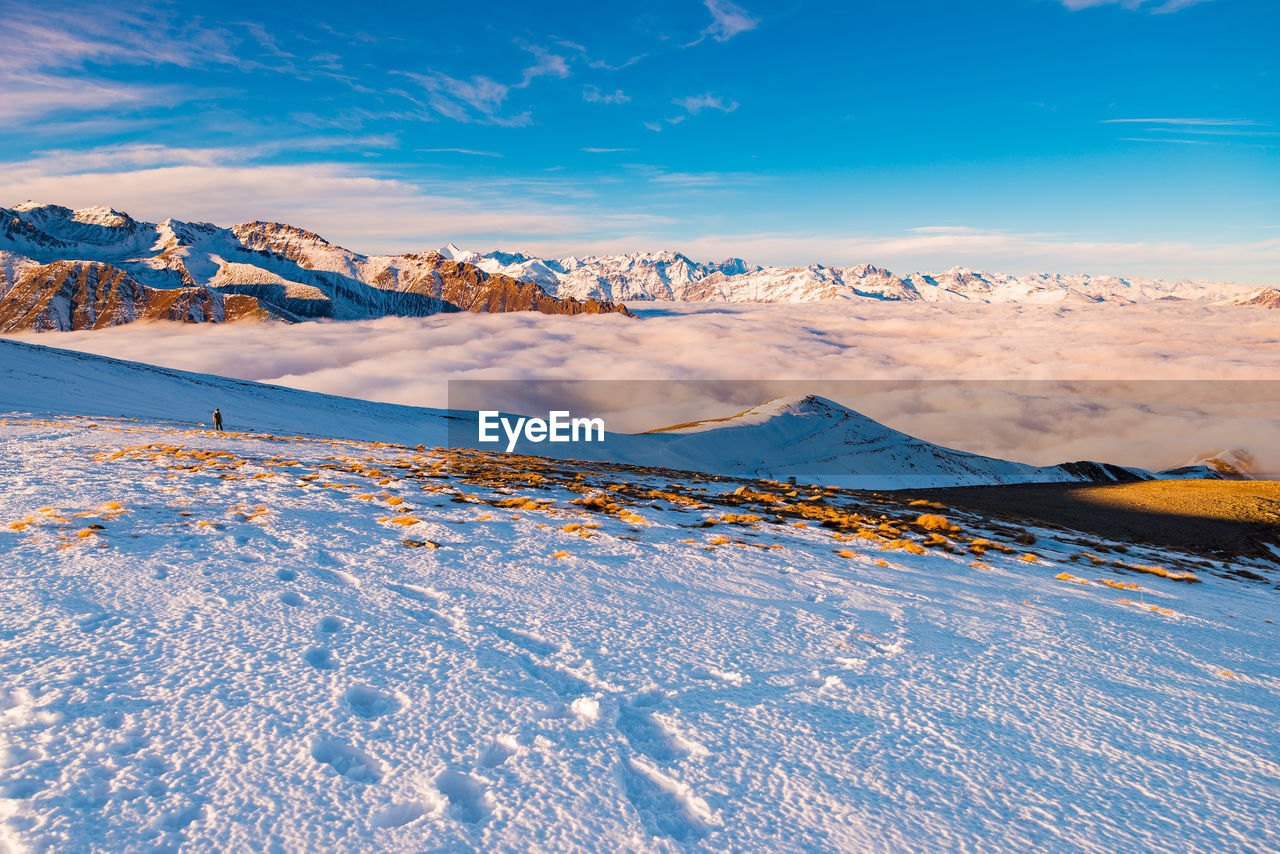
[1065,135]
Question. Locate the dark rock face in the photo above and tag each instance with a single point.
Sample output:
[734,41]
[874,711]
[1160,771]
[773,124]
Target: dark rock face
[75,295]
[471,289]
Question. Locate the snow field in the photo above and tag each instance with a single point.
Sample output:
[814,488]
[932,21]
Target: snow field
[312,645]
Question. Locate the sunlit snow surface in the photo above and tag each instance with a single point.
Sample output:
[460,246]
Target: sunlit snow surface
[244,655]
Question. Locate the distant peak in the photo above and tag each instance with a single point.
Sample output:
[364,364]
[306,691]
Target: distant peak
[793,406]
[30,205]
[800,404]
[105,216]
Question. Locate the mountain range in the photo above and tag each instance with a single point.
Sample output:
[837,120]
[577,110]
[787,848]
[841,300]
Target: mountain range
[64,269]
[641,276]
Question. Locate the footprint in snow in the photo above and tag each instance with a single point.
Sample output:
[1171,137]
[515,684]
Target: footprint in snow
[499,751]
[319,658]
[347,760]
[369,703]
[328,625]
[468,801]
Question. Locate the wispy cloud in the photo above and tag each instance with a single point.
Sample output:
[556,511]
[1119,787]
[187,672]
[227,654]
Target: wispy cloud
[1176,130]
[695,104]
[469,151]
[1198,122]
[1153,6]
[365,210]
[605,66]
[605,150]
[692,105]
[44,51]
[547,65]
[1165,139]
[140,155]
[593,95]
[479,99]
[727,20]
[942,247]
[476,99]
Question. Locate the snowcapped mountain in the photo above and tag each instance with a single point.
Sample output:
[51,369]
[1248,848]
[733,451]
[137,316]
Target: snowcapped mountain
[671,276]
[95,267]
[820,441]
[1269,297]
[1229,464]
[85,269]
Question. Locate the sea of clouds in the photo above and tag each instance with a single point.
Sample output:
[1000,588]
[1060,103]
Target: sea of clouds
[1150,385]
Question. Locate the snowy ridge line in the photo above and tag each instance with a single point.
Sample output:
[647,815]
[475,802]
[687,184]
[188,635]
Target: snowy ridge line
[280,270]
[640,276]
[400,649]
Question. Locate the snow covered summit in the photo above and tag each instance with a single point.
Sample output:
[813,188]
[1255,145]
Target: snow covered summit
[638,276]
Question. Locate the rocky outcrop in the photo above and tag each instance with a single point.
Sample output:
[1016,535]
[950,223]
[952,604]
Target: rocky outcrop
[76,295]
[471,289]
[1266,297]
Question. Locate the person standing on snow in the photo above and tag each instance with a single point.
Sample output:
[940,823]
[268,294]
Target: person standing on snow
[217,419]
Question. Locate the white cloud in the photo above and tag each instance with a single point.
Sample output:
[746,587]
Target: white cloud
[593,95]
[476,99]
[469,151]
[45,49]
[1165,139]
[1154,6]
[29,96]
[946,247]
[727,20]
[366,212]
[1179,122]
[1038,407]
[547,65]
[694,104]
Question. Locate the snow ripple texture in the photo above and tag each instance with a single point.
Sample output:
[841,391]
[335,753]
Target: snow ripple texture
[274,644]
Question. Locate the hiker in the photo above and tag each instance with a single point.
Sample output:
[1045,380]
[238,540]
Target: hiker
[217,419]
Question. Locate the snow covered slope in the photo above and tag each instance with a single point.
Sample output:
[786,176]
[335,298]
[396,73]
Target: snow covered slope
[814,439]
[819,441]
[250,642]
[47,380]
[672,276]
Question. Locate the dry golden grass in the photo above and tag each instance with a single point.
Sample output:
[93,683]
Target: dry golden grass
[935,522]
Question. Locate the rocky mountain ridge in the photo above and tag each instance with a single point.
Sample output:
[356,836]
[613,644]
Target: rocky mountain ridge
[63,269]
[640,276]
